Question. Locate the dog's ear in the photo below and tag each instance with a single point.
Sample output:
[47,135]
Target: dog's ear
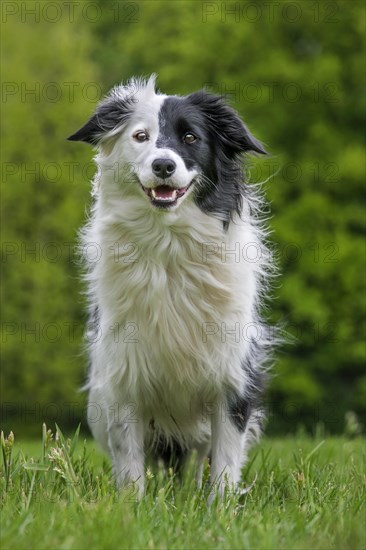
[108,119]
[115,110]
[226,125]
[90,132]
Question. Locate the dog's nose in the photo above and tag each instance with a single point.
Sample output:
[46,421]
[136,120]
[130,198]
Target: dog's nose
[163,168]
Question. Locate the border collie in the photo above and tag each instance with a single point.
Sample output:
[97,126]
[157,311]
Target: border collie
[178,349]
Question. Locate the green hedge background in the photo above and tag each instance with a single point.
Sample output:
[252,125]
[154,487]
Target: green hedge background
[294,71]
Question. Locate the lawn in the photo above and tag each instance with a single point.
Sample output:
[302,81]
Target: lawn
[309,493]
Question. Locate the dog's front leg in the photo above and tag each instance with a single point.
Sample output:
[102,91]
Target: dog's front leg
[126,443]
[227,451]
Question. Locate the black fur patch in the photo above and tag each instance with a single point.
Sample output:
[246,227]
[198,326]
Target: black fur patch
[176,118]
[112,112]
[239,410]
[171,454]
[242,406]
[222,137]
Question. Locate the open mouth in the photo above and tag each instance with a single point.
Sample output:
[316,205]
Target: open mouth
[165,196]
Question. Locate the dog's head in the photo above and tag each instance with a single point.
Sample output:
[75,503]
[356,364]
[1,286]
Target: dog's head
[173,147]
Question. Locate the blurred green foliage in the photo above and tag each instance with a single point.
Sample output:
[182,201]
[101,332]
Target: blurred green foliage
[294,72]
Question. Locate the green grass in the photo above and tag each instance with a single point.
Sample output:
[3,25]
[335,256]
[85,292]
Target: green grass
[309,493]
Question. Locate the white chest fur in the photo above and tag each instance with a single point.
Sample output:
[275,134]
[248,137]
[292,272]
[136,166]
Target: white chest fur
[175,295]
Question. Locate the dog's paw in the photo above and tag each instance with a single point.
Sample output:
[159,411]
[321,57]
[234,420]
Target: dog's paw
[223,488]
[130,490]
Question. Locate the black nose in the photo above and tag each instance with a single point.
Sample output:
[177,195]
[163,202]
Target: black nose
[163,168]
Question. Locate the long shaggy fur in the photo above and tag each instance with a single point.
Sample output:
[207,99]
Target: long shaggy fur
[178,349]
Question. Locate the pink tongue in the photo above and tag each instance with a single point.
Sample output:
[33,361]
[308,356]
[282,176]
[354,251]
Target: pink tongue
[163,191]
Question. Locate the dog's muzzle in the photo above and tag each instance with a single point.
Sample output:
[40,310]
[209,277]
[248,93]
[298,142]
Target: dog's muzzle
[165,196]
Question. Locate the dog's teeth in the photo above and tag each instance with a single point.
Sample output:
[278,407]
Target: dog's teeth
[170,198]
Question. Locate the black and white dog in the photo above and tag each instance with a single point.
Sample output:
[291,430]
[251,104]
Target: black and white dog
[179,351]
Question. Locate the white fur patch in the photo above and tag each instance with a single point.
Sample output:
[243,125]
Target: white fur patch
[176,297]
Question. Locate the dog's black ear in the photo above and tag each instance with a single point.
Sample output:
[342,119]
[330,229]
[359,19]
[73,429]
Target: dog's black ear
[226,125]
[111,114]
[90,132]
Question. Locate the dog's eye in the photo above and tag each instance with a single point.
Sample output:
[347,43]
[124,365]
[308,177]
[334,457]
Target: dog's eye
[189,138]
[141,136]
